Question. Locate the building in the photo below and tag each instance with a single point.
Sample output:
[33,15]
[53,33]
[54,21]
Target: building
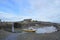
[27,20]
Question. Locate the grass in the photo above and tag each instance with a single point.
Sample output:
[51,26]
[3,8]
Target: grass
[3,34]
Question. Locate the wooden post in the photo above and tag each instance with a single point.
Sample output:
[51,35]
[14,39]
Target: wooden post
[12,27]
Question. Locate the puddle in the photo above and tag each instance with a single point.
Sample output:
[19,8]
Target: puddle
[46,29]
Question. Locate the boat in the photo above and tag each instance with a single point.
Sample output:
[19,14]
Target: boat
[29,30]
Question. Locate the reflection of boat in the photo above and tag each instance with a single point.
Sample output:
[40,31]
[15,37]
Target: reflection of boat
[29,30]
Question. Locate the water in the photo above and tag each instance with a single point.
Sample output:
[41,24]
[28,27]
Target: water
[14,36]
[46,29]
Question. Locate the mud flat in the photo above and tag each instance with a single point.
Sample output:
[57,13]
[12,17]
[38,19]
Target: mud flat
[40,35]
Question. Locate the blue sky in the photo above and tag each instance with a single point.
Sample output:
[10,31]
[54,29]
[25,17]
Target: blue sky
[42,10]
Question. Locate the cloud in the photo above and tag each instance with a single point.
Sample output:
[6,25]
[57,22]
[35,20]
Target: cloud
[8,16]
[46,10]
[43,10]
[12,17]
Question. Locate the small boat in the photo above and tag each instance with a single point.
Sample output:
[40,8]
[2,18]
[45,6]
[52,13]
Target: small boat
[29,30]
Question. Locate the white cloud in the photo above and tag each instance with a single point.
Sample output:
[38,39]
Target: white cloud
[8,16]
[46,10]
[12,17]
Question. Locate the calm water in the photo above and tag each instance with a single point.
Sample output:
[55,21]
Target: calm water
[46,29]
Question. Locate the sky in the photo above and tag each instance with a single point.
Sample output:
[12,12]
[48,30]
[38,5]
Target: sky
[42,10]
